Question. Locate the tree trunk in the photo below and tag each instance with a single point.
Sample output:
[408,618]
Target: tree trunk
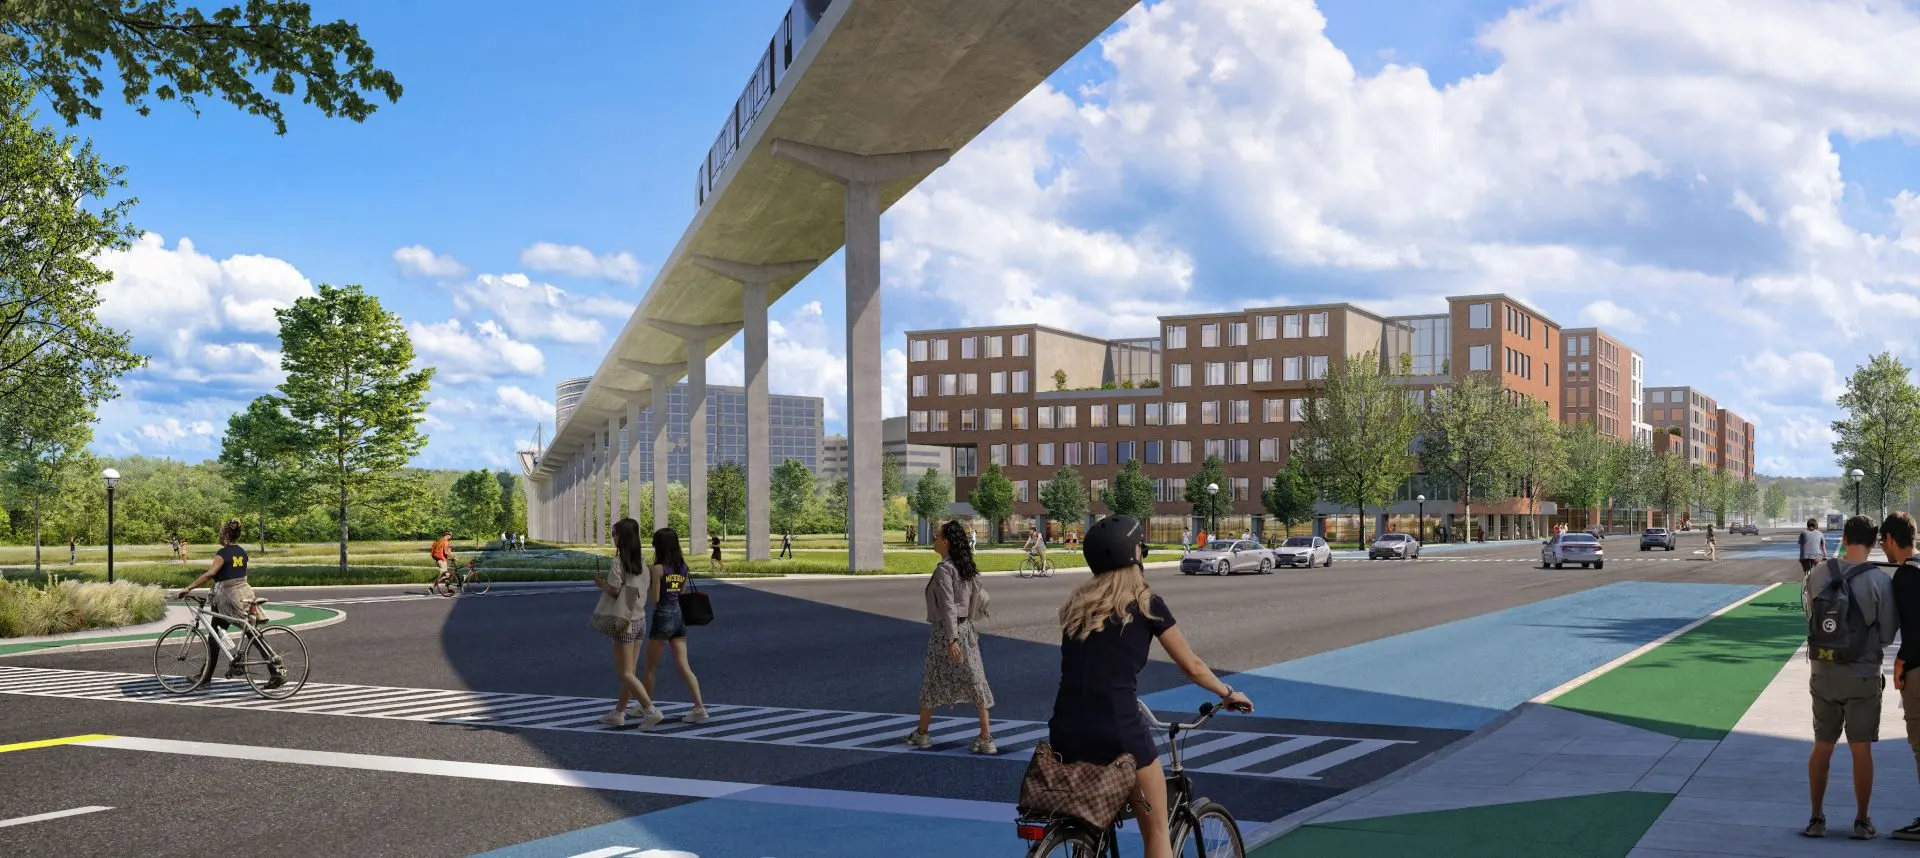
[36,534]
[343,528]
[1469,507]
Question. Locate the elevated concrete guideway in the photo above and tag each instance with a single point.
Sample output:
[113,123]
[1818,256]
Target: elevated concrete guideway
[880,93]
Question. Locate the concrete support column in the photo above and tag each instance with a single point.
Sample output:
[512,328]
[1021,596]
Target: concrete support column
[862,177]
[633,461]
[613,474]
[593,492]
[662,376]
[698,337]
[755,280]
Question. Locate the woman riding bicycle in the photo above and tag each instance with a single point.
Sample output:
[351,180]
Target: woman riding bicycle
[1107,629]
[1037,547]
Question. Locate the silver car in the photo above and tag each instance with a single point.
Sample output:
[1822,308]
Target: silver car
[1303,551]
[1394,546]
[1566,548]
[1225,557]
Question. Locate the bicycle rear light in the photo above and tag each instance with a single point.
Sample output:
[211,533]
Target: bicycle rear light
[1031,831]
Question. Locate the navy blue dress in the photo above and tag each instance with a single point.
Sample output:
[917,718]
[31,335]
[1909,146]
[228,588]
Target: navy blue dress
[1096,715]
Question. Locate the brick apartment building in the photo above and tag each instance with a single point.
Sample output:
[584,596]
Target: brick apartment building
[1033,399]
[1604,384]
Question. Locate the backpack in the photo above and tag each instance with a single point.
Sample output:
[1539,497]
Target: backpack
[1836,628]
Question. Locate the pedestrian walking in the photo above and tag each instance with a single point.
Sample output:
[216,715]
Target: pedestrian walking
[669,626]
[1712,551]
[622,615]
[73,551]
[232,596]
[1896,539]
[786,545]
[1813,547]
[714,564]
[953,673]
[1107,630]
[1851,618]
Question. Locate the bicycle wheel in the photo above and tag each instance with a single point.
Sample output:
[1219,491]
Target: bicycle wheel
[1207,830]
[275,662]
[1046,569]
[1064,842]
[1026,568]
[476,583]
[183,659]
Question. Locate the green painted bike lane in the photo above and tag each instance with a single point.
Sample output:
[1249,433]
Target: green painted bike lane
[1696,686]
[297,617]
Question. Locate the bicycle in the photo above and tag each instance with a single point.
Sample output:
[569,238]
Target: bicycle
[1036,566]
[462,579]
[1199,827]
[272,659]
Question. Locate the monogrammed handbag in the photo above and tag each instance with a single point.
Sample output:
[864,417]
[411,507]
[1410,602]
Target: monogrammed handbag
[1089,792]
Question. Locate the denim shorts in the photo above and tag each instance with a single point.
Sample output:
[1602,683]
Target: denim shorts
[667,623]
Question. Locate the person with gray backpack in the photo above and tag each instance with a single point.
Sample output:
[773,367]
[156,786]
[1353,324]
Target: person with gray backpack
[1851,620]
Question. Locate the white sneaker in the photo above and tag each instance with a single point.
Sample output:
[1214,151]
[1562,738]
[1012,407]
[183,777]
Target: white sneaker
[616,718]
[652,718]
[697,716]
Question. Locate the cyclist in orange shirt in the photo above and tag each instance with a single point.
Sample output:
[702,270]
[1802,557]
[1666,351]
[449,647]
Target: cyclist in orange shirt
[443,556]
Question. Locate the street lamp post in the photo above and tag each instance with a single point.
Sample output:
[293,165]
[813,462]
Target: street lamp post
[112,478]
[1422,501]
[1857,475]
[1213,526]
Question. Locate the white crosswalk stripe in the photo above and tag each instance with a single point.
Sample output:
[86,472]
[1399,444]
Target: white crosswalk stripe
[1261,755]
[415,597]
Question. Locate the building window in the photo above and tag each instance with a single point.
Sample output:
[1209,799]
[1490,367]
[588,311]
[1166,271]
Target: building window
[1586,346]
[917,421]
[940,421]
[970,384]
[1243,411]
[1268,327]
[969,348]
[1573,348]
[1479,316]
[1209,413]
[1297,409]
[1180,452]
[1241,487]
[1269,449]
[1019,380]
[919,385]
[1479,358]
[995,346]
[1291,326]
[966,462]
[1317,367]
[1123,452]
[940,349]
[1216,374]
[1210,335]
[1096,417]
[1068,418]
[1020,491]
[1123,414]
[1214,448]
[1176,336]
[1096,452]
[1183,375]
[1020,345]
[967,418]
[1019,455]
[1273,410]
[1237,334]
[1153,414]
[996,383]
[1046,454]
[1262,370]
[1153,452]
[1098,489]
[1176,414]
[994,420]
[1316,324]
[1239,372]
[917,350]
[1045,415]
[949,384]
[1070,453]
[1290,369]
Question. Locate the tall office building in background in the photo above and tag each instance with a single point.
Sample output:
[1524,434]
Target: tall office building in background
[796,424]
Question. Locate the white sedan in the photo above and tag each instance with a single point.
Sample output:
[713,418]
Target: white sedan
[1566,548]
[1303,551]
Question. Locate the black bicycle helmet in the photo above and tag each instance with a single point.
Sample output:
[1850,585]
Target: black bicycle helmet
[1114,542]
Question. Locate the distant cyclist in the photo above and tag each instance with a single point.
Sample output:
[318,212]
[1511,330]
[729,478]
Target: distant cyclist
[443,557]
[1037,548]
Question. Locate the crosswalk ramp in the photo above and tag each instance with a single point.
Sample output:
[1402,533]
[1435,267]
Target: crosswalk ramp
[1257,755]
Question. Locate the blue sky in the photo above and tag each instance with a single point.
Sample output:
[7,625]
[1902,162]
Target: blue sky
[1725,191]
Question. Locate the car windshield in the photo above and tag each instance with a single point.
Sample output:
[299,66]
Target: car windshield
[1576,537]
[1391,537]
[1656,532]
[1299,542]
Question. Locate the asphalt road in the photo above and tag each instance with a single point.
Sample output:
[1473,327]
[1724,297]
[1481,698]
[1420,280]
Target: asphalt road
[846,645]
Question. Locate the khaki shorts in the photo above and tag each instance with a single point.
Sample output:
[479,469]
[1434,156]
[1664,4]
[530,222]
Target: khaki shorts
[233,598]
[1851,703]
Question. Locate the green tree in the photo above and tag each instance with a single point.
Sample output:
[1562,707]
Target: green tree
[931,496]
[1064,498]
[1775,505]
[1592,473]
[58,362]
[1539,456]
[1723,493]
[357,408]
[890,477]
[1670,485]
[257,458]
[727,495]
[1467,441]
[1880,434]
[513,503]
[1208,506]
[837,503]
[1132,493]
[60,45]
[35,471]
[475,504]
[1059,379]
[1290,498]
[791,487]
[1354,443]
[992,498]
[1746,499]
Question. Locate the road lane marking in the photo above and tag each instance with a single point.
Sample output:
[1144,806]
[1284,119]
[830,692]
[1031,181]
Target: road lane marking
[58,814]
[1229,753]
[48,743]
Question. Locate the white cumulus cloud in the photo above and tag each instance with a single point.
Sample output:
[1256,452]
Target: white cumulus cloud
[576,261]
[541,311]
[480,351]
[419,261]
[521,404]
[1606,314]
[198,318]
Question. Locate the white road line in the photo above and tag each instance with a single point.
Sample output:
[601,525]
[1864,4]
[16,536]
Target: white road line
[789,728]
[58,814]
[1311,768]
[893,723]
[1232,765]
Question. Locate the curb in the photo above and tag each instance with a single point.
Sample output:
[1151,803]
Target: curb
[338,617]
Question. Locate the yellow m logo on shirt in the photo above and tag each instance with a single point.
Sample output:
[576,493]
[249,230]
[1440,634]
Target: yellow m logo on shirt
[240,562]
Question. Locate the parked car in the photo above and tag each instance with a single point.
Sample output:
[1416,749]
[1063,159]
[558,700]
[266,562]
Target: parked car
[1656,537]
[1747,529]
[1394,546]
[1566,548]
[1303,551]
[1225,557]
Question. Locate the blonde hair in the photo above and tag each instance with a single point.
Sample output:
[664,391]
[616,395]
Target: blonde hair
[1106,597]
